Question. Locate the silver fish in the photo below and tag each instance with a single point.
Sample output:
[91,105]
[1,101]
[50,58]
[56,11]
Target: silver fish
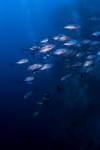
[88,63]
[19,62]
[94,43]
[89,69]
[79,55]
[70,42]
[60,51]
[73,26]
[67,67]
[96,33]
[62,37]
[86,41]
[34,67]
[45,40]
[46,48]
[29,79]
[95,18]
[27,95]
[22,61]
[91,56]
[46,66]
[56,37]
[77,64]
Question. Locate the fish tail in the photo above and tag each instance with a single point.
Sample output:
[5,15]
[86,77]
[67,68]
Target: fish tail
[23,69]
[18,82]
[22,49]
[11,64]
[36,90]
[35,42]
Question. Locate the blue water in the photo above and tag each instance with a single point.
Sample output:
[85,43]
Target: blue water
[21,23]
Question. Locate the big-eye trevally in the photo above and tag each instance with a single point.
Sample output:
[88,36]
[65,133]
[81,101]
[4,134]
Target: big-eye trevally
[20,61]
[46,48]
[94,43]
[91,56]
[88,63]
[34,67]
[96,33]
[60,51]
[46,66]
[72,26]
[70,42]
[94,18]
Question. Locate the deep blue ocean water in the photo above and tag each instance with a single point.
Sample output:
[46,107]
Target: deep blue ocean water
[21,23]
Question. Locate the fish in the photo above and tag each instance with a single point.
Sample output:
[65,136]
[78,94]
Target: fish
[94,18]
[77,64]
[73,26]
[70,42]
[29,80]
[96,33]
[86,41]
[91,57]
[29,93]
[67,53]
[88,63]
[20,61]
[46,66]
[60,51]
[94,43]
[62,38]
[47,56]
[56,37]
[35,67]
[93,47]
[46,47]
[80,54]
[89,69]
[67,67]
[45,40]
